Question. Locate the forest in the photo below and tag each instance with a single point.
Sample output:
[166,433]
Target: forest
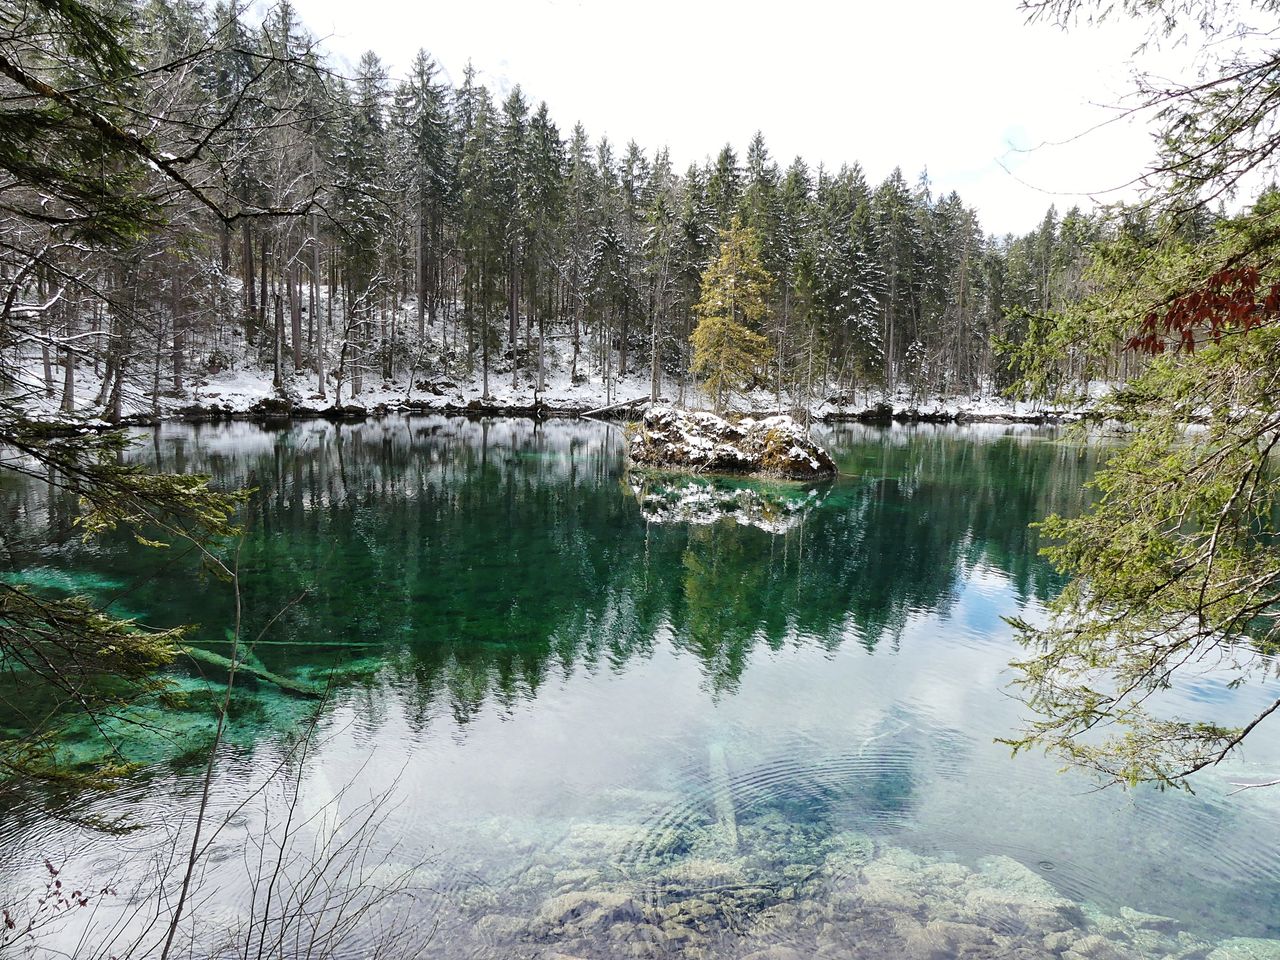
[438,658]
[333,231]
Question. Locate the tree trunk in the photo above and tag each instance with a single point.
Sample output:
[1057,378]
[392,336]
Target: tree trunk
[356,340]
[655,360]
[622,339]
[295,312]
[249,288]
[420,271]
[276,379]
[69,381]
[484,357]
[262,285]
[48,364]
[179,332]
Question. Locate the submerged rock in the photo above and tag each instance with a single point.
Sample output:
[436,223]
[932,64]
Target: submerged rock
[668,438]
[1148,921]
[1010,896]
[1094,947]
[1246,948]
[588,909]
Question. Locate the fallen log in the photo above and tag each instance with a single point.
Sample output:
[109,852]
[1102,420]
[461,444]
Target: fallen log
[260,673]
[617,406]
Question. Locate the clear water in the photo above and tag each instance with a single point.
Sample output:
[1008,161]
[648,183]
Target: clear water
[622,716]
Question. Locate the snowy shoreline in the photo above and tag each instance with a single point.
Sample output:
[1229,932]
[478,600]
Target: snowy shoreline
[958,410]
[251,395]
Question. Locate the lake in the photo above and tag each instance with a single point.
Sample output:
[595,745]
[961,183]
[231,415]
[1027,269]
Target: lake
[564,711]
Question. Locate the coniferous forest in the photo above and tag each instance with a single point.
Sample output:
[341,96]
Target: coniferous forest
[364,228]
[751,559]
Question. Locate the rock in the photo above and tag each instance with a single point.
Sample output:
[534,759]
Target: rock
[847,851]
[776,953]
[700,872]
[1246,948]
[780,916]
[272,408]
[499,928]
[959,937]
[1104,923]
[1012,912]
[1007,874]
[575,879]
[893,882]
[590,843]
[345,411]
[1014,898]
[1191,947]
[1094,947]
[1153,943]
[1060,941]
[1148,921]
[588,908]
[669,438]
[918,942]
[886,896]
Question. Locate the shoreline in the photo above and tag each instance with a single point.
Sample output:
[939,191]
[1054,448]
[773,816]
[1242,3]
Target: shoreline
[249,393]
[277,410]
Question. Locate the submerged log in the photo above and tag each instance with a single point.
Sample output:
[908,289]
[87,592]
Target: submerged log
[673,439]
[722,796]
[260,673]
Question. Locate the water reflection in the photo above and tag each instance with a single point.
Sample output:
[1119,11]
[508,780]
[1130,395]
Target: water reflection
[620,714]
[482,557]
[474,559]
[681,498]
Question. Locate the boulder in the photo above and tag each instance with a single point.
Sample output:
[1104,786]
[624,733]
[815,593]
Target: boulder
[272,408]
[674,439]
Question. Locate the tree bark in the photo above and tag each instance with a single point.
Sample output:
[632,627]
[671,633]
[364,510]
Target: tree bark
[249,288]
[295,312]
[276,379]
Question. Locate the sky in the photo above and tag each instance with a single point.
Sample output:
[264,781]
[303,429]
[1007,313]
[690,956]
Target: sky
[1010,115]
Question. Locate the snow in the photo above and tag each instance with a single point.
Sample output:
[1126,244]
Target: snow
[671,438]
[248,384]
[699,502]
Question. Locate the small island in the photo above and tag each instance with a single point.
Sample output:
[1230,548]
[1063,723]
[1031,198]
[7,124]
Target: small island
[669,438]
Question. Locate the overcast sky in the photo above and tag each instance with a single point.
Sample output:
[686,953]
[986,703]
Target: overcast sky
[966,89]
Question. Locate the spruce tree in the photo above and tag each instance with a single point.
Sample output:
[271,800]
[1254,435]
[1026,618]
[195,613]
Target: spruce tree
[728,350]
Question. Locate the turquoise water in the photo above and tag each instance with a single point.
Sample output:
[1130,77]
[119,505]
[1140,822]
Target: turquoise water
[613,715]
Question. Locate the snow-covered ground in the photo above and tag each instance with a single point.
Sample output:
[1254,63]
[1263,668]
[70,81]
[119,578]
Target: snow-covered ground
[246,390]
